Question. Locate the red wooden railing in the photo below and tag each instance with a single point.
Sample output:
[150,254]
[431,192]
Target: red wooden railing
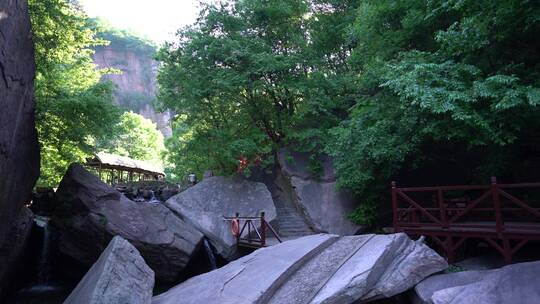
[251,234]
[490,212]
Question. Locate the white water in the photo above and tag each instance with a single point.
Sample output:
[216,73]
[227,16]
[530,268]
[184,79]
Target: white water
[153,199]
[210,254]
[44,266]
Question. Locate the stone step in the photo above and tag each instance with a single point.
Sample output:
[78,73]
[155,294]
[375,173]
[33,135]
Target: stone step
[295,223]
[290,222]
[281,229]
[289,226]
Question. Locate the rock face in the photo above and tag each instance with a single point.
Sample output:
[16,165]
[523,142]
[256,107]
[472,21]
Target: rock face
[11,251]
[319,268]
[324,208]
[19,150]
[511,284]
[137,85]
[119,276]
[205,204]
[90,213]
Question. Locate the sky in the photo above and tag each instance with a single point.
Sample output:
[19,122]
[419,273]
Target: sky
[157,20]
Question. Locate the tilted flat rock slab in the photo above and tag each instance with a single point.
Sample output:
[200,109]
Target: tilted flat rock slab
[384,266]
[425,289]
[91,213]
[205,204]
[119,276]
[311,277]
[315,269]
[512,284]
[250,279]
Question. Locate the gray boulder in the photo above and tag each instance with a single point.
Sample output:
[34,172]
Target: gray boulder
[119,276]
[517,283]
[205,204]
[319,268]
[12,250]
[324,208]
[90,213]
[19,149]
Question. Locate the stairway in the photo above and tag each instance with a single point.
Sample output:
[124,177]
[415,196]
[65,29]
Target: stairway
[290,224]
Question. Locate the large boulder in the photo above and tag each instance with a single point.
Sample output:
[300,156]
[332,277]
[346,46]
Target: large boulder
[511,284]
[319,268]
[324,208]
[119,276]
[12,250]
[19,149]
[205,204]
[90,213]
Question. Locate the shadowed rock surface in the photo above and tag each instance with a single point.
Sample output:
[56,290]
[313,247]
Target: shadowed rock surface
[512,284]
[324,208]
[205,204]
[119,276]
[14,245]
[19,150]
[90,213]
[321,268]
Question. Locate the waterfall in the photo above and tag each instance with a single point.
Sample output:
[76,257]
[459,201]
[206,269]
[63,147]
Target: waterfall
[44,258]
[210,254]
[153,199]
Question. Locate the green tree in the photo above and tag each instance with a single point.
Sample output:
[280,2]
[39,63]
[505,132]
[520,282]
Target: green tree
[447,85]
[136,137]
[235,80]
[392,89]
[73,107]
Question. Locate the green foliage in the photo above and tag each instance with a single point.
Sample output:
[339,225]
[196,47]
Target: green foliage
[136,137]
[234,80]
[123,39]
[73,107]
[365,214]
[390,89]
[454,268]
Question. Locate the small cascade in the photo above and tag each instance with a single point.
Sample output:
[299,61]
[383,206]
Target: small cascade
[42,283]
[153,199]
[44,270]
[210,254]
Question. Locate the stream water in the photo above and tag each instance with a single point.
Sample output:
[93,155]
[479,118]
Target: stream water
[42,289]
[210,254]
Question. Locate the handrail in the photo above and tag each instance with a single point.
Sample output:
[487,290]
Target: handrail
[446,215]
[261,235]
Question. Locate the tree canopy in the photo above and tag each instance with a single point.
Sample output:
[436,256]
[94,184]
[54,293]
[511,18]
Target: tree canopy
[136,137]
[391,89]
[75,115]
[73,107]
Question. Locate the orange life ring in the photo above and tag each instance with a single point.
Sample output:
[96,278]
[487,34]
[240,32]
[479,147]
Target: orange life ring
[235,227]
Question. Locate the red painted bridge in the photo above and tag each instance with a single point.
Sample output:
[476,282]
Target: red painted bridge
[506,216]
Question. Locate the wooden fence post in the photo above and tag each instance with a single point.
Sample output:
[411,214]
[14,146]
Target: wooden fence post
[263,230]
[394,207]
[442,208]
[237,214]
[497,205]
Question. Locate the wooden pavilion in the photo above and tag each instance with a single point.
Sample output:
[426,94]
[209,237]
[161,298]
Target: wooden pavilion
[113,169]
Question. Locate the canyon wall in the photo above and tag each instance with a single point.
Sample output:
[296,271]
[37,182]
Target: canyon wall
[19,149]
[137,85]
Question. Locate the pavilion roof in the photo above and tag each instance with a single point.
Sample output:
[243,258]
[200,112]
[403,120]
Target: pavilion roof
[107,160]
